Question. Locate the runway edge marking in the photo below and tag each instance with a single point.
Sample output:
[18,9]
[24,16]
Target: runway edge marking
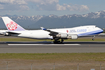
[40,44]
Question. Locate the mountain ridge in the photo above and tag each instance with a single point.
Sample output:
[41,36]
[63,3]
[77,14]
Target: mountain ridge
[54,21]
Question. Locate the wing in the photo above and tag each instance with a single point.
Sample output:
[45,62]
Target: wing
[61,35]
[52,33]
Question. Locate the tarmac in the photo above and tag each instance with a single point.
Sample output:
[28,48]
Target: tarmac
[49,47]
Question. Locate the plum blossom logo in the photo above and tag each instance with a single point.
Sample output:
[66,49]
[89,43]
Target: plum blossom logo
[67,31]
[12,25]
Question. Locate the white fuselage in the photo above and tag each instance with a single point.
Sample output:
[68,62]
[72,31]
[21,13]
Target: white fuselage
[79,31]
[2,32]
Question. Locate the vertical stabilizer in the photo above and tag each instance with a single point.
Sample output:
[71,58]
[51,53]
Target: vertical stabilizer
[11,25]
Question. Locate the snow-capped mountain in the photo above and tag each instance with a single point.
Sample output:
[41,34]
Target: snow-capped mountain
[54,21]
[100,14]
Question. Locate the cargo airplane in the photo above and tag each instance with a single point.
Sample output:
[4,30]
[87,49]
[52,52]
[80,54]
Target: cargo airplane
[55,34]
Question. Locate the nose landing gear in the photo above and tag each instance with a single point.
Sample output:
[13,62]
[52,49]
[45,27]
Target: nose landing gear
[93,38]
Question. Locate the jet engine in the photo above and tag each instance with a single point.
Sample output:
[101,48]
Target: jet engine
[6,34]
[73,36]
[67,36]
[62,35]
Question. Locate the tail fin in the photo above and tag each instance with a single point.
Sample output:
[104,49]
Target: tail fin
[11,25]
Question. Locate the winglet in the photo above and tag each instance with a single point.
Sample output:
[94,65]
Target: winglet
[43,28]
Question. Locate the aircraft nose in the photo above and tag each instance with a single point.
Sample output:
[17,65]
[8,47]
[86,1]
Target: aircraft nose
[101,30]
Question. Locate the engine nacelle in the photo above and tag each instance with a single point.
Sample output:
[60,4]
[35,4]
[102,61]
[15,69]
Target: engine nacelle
[6,34]
[69,36]
[74,36]
[62,35]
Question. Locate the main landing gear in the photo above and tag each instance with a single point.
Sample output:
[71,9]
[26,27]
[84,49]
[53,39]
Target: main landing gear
[93,38]
[56,41]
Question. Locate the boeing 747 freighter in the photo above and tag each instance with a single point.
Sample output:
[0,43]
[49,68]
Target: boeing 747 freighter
[56,34]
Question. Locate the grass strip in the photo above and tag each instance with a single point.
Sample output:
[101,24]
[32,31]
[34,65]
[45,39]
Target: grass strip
[55,57]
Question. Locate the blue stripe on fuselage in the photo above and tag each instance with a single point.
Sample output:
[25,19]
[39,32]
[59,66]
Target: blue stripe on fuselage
[91,33]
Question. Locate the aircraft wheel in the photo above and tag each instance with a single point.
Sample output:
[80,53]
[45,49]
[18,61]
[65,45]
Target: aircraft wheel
[56,42]
[62,40]
[93,39]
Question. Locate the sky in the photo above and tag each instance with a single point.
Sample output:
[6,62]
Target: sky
[47,7]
